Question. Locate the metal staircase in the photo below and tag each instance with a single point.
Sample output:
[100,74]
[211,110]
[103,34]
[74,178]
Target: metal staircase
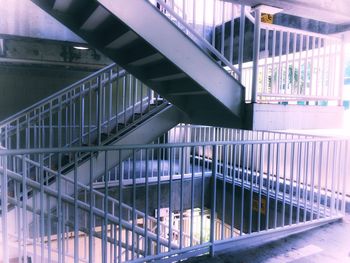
[108,107]
[158,53]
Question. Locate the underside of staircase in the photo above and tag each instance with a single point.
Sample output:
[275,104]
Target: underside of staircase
[158,53]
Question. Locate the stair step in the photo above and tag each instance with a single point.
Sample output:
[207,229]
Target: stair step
[122,40]
[78,10]
[115,130]
[146,60]
[135,51]
[98,16]
[62,5]
[160,69]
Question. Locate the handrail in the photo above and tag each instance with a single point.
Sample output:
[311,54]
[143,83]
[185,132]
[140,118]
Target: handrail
[160,146]
[58,93]
[297,31]
[87,112]
[201,39]
[290,173]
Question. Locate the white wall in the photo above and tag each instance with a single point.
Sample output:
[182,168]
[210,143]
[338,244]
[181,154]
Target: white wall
[24,18]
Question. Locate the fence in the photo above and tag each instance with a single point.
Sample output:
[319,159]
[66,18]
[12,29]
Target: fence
[295,65]
[89,112]
[199,20]
[196,198]
[276,64]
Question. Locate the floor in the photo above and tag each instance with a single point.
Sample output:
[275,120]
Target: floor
[327,244]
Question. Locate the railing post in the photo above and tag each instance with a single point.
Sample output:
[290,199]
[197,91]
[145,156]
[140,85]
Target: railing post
[342,71]
[345,180]
[99,110]
[213,200]
[241,42]
[4,203]
[256,50]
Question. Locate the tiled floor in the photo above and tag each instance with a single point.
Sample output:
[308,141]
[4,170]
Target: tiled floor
[327,244]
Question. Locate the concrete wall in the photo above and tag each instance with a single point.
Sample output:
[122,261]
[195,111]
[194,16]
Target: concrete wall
[20,87]
[24,18]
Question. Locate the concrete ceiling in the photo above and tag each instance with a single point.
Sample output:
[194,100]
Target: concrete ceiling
[330,11]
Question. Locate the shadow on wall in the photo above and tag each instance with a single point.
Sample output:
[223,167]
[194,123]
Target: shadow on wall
[20,87]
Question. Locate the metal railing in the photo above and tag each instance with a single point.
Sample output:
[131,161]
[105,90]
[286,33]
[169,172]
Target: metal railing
[187,133]
[93,111]
[84,113]
[294,66]
[211,194]
[199,20]
[288,65]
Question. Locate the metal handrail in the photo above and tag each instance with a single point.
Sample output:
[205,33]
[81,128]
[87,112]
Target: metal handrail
[200,38]
[58,93]
[160,146]
[102,104]
[286,173]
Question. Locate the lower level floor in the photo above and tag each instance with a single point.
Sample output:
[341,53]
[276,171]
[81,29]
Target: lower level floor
[329,244]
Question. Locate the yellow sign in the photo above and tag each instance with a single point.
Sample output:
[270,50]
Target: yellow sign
[266,18]
[262,206]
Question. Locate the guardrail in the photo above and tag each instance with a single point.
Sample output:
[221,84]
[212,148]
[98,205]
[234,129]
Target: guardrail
[89,112]
[288,65]
[198,20]
[294,66]
[247,188]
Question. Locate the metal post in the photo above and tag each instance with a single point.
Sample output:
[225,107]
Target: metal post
[256,50]
[241,42]
[342,72]
[4,203]
[213,201]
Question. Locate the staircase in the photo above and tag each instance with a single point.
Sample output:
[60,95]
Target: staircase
[156,52]
[108,107]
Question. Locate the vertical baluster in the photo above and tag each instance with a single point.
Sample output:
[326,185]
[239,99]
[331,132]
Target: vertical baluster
[277,183]
[158,198]
[241,42]
[171,171]
[146,248]
[192,195]
[222,47]
[291,188]
[4,209]
[243,172]
[42,205]
[76,213]
[301,37]
[213,200]
[318,58]
[280,65]
[313,172]
[266,66]
[287,81]
[285,183]
[269,160]
[252,174]
[293,64]
[306,66]
[213,24]
[134,219]
[232,33]
[261,184]
[91,215]
[345,180]
[104,222]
